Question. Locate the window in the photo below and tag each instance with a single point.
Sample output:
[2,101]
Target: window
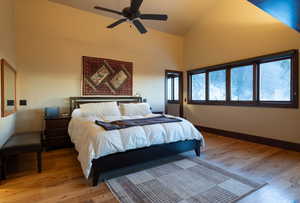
[173,88]
[198,87]
[217,85]
[242,83]
[270,80]
[176,88]
[275,81]
[169,88]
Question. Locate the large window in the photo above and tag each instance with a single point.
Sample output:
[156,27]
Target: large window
[270,80]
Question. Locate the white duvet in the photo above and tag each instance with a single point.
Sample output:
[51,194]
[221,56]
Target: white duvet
[92,141]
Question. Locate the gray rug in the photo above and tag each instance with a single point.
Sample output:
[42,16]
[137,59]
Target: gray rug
[187,180]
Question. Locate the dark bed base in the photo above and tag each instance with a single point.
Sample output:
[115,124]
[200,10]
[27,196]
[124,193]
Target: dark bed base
[128,158]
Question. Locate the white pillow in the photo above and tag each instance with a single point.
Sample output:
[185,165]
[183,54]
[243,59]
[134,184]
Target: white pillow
[100,109]
[76,113]
[138,109]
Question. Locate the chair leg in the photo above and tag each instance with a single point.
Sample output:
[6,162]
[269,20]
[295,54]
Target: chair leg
[39,161]
[3,168]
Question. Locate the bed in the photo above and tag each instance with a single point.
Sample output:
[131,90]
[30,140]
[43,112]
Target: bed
[101,151]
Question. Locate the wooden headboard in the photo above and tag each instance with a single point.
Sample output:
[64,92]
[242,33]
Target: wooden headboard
[76,101]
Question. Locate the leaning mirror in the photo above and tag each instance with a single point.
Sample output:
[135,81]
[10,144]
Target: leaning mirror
[8,89]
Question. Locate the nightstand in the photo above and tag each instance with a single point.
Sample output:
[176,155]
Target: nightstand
[55,134]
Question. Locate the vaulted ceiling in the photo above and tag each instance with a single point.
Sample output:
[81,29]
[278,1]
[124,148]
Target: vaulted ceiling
[182,13]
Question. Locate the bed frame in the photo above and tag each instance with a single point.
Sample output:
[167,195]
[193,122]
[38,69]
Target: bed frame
[131,157]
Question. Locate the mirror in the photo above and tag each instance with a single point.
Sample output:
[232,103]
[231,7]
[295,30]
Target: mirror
[8,89]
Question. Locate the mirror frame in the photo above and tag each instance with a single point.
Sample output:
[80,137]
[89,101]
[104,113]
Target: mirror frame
[3,113]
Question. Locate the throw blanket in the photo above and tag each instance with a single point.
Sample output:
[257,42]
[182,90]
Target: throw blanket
[121,124]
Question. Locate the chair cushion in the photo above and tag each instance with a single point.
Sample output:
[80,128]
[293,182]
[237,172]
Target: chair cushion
[22,143]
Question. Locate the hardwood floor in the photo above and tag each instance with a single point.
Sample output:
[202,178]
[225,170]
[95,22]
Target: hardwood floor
[62,179]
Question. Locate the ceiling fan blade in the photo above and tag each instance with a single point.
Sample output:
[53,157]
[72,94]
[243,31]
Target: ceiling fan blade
[108,10]
[117,23]
[153,17]
[140,26]
[135,5]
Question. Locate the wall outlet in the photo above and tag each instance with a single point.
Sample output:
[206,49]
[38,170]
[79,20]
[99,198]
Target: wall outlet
[23,102]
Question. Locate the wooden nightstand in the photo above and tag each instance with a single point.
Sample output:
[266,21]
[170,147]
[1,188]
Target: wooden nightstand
[55,134]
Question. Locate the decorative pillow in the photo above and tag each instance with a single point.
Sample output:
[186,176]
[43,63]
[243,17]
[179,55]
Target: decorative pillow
[100,109]
[138,109]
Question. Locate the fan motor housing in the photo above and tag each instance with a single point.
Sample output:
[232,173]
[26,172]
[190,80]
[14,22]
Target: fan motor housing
[129,14]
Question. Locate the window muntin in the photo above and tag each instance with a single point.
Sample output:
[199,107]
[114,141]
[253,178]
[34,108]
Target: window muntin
[275,80]
[217,85]
[241,83]
[198,87]
[258,87]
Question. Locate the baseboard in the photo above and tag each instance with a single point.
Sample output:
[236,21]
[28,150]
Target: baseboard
[252,138]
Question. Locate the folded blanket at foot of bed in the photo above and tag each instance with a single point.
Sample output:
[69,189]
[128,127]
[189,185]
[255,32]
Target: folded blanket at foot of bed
[121,124]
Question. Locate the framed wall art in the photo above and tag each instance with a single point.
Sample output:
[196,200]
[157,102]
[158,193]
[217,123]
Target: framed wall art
[106,77]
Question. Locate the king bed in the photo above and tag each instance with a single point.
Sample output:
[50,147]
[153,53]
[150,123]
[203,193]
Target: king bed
[101,150]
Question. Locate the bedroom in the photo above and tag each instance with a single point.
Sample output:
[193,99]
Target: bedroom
[45,41]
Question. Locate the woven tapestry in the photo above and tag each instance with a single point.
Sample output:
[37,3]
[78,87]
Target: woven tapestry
[106,77]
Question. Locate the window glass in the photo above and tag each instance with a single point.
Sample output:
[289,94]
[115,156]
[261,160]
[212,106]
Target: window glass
[176,89]
[198,87]
[242,83]
[169,88]
[275,81]
[217,85]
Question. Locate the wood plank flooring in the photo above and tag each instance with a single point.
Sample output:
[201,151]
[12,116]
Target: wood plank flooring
[62,179]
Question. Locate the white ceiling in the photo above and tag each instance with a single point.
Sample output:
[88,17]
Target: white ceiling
[182,13]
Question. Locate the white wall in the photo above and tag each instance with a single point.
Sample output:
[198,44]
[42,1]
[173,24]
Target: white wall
[7,51]
[235,30]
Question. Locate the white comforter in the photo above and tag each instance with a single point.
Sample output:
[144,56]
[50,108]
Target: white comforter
[92,141]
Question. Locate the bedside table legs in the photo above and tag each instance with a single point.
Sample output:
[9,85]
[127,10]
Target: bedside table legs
[39,161]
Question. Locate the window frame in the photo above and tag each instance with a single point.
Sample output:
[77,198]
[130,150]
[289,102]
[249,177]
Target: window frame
[256,61]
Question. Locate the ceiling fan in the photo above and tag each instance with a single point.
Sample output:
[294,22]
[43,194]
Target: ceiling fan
[133,14]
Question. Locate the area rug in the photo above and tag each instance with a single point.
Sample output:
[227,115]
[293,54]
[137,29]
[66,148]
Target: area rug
[183,181]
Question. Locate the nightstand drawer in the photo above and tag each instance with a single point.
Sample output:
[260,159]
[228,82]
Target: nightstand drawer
[56,142]
[56,133]
[57,124]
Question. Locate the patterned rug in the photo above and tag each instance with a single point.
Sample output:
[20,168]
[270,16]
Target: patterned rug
[183,181]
